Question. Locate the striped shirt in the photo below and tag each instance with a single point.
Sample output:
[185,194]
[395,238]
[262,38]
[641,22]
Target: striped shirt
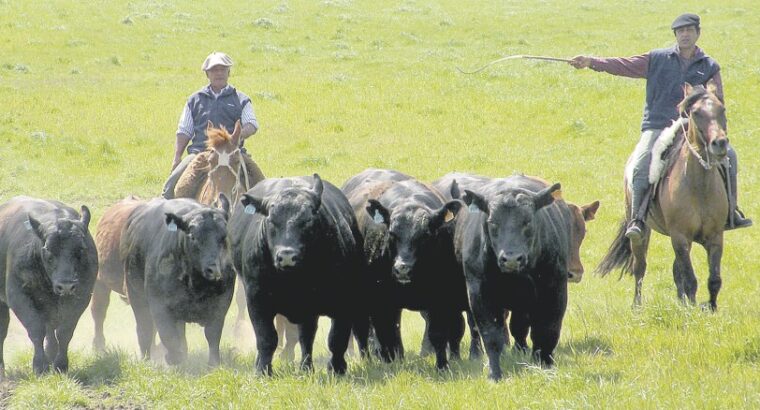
[186,127]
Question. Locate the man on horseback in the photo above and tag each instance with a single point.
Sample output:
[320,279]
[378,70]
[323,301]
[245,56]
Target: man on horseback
[219,103]
[666,70]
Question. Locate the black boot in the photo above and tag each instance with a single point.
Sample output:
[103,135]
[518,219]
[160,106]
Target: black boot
[737,221]
[736,218]
[635,231]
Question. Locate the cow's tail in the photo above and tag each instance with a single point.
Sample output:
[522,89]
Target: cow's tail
[619,254]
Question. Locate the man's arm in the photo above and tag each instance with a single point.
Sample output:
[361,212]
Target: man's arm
[634,67]
[248,119]
[718,86]
[179,146]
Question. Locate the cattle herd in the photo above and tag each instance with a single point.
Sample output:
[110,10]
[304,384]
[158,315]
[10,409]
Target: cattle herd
[496,249]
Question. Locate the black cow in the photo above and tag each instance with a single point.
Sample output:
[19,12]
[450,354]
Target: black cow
[298,250]
[49,264]
[178,270]
[513,243]
[407,229]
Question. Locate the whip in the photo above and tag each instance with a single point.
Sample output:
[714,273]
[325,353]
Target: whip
[514,57]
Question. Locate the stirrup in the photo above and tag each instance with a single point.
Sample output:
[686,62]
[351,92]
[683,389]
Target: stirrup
[740,221]
[635,231]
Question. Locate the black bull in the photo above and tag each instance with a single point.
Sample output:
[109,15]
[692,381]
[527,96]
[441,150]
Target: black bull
[49,264]
[407,230]
[178,270]
[298,250]
[512,242]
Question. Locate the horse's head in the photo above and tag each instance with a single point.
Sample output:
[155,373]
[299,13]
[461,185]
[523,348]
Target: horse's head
[224,157]
[707,120]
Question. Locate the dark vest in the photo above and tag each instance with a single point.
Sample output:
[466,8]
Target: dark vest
[665,84]
[224,110]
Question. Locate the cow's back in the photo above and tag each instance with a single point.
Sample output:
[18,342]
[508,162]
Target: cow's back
[108,239]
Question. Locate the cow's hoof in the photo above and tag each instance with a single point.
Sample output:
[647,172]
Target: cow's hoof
[338,367]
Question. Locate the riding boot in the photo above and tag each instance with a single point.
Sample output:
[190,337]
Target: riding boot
[639,203]
[736,218]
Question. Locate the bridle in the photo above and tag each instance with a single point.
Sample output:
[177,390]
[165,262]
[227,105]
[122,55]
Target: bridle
[223,160]
[706,163]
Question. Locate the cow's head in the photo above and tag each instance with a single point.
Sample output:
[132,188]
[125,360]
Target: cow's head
[205,231]
[511,223]
[580,215]
[292,217]
[64,251]
[412,231]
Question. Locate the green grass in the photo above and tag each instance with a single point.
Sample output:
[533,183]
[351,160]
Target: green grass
[91,93]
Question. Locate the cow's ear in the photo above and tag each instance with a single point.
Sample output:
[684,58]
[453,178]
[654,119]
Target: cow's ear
[35,226]
[224,204]
[174,222]
[85,219]
[252,205]
[475,201]
[378,212]
[589,211]
[455,193]
[546,196]
[447,213]
[318,188]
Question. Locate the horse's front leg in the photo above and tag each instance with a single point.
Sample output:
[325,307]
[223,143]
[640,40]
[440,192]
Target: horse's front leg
[714,249]
[640,264]
[683,272]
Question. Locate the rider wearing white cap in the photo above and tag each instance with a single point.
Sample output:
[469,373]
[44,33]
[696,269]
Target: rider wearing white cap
[218,102]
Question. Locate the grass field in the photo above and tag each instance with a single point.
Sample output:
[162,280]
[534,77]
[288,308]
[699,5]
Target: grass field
[91,93]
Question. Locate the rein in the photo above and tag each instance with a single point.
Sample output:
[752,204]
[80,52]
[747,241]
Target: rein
[706,164]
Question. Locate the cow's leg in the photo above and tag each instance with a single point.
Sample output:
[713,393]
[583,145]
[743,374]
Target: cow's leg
[5,320]
[639,252]
[172,334]
[398,341]
[491,325]
[476,345]
[682,269]
[714,254]
[287,337]
[101,296]
[427,348]
[146,330]
[35,324]
[519,325]
[360,332]
[213,332]
[307,330]
[63,334]
[266,335]
[240,302]
[456,333]
[337,341]
[439,332]
[51,343]
[384,325]
[546,322]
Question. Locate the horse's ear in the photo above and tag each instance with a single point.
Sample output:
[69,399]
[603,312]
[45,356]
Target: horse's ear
[687,89]
[712,87]
[209,125]
[236,134]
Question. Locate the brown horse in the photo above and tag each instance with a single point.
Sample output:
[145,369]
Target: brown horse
[690,202]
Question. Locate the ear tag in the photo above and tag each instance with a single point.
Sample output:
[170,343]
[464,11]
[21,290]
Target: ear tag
[250,209]
[28,225]
[172,227]
[378,218]
[473,208]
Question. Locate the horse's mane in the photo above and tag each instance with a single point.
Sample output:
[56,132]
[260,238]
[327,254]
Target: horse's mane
[697,93]
[217,138]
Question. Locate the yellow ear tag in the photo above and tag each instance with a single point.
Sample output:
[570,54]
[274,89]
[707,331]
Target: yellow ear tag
[449,216]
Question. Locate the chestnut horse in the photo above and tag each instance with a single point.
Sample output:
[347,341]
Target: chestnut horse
[690,202]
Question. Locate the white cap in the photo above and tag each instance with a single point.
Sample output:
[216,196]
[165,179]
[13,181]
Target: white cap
[216,58]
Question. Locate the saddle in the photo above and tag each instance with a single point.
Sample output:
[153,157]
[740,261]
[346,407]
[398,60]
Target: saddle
[196,174]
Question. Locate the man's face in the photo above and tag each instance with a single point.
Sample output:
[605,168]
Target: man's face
[687,36]
[218,75]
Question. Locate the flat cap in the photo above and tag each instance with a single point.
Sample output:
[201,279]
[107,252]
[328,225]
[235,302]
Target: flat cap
[216,58]
[686,19]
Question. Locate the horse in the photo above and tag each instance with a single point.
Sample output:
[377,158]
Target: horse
[690,202]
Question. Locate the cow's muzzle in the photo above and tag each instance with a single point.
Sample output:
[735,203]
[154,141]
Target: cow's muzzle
[212,273]
[65,287]
[401,271]
[286,258]
[511,262]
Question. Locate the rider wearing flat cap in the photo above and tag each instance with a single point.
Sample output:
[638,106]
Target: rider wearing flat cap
[666,70]
[218,102]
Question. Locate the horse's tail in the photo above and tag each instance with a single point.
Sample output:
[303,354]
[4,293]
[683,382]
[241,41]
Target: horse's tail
[619,254]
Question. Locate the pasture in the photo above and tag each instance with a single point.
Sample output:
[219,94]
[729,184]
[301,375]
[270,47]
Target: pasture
[91,93]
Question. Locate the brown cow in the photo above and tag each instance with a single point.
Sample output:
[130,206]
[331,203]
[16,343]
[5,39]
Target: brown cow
[111,269]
